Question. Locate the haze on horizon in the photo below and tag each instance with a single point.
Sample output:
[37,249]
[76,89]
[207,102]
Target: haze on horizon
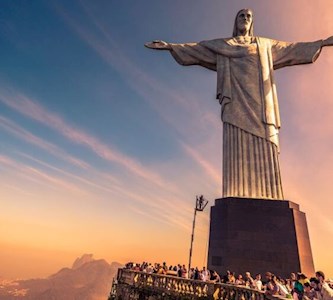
[105,144]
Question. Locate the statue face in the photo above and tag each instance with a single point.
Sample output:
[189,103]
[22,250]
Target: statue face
[244,21]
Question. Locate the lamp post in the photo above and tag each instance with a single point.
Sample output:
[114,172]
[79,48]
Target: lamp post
[200,205]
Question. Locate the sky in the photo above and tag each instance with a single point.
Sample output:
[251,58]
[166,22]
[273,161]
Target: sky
[105,143]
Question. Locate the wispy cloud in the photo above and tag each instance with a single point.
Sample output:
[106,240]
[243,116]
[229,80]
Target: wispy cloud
[213,173]
[146,204]
[27,136]
[66,174]
[16,189]
[38,176]
[35,111]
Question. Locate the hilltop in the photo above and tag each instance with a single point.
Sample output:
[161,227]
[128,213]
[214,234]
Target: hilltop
[87,279]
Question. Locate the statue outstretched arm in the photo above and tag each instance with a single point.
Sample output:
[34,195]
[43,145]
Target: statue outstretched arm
[158,45]
[187,54]
[289,54]
[328,42]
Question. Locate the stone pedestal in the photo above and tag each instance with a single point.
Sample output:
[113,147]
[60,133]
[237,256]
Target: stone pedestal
[259,235]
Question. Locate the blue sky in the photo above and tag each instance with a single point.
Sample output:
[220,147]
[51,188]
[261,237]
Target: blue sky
[104,143]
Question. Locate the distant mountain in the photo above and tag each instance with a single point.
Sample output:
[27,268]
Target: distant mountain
[85,258]
[88,279]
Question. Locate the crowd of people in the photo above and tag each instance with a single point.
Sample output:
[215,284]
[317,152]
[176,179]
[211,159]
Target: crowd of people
[297,287]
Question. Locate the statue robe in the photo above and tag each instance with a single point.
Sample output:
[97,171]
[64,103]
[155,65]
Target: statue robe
[249,106]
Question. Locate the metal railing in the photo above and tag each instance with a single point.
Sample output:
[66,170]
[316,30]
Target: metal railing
[171,286]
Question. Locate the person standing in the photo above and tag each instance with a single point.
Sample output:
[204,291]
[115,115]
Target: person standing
[325,290]
[205,275]
[258,282]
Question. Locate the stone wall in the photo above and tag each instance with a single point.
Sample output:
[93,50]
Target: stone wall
[142,286]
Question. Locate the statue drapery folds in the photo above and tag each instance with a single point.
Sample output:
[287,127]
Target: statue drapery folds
[245,81]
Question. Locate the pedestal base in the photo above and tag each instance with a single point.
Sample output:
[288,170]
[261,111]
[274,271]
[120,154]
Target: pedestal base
[259,235]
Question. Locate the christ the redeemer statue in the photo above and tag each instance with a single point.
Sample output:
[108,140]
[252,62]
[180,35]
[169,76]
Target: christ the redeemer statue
[246,90]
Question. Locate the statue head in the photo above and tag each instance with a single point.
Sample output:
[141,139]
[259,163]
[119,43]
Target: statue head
[243,23]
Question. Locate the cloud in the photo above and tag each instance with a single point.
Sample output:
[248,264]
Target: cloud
[213,173]
[14,188]
[38,176]
[35,111]
[25,135]
[146,204]
[80,179]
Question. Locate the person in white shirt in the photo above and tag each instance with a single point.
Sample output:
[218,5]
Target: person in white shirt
[326,291]
[205,274]
[258,282]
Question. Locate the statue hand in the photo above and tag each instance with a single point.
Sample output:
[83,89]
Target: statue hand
[328,41]
[158,45]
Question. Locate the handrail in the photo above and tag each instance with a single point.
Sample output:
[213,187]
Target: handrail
[177,286]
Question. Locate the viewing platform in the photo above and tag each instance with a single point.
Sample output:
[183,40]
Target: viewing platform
[145,286]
